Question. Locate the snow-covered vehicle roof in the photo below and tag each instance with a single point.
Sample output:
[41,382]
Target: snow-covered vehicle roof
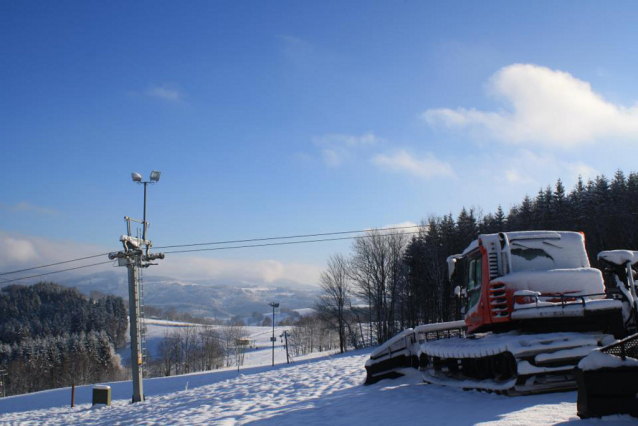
[619,257]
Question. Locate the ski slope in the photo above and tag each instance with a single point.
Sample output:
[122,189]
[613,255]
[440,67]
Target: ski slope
[259,354]
[326,390]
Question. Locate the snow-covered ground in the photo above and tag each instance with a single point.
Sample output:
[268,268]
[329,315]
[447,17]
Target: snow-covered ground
[259,354]
[326,390]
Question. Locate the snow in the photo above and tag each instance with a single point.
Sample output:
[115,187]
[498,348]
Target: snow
[473,246]
[390,344]
[619,257]
[101,387]
[325,390]
[597,359]
[572,282]
[259,354]
[439,326]
[556,310]
[519,345]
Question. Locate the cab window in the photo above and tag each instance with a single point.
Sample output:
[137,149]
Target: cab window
[475,271]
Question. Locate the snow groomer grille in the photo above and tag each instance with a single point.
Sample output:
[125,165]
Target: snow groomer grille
[426,336]
[492,259]
[498,301]
[627,347]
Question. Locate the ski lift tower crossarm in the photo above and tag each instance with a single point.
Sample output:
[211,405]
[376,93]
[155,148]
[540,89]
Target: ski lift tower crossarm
[136,255]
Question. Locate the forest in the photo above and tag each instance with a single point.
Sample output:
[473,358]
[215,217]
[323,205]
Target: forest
[53,336]
[402,277]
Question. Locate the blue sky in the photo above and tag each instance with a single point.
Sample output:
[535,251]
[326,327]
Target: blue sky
[279,118]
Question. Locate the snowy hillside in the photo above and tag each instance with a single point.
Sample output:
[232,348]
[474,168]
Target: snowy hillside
[321,391]
[210,298]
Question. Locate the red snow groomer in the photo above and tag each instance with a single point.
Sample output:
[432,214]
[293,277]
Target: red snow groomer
[533,307]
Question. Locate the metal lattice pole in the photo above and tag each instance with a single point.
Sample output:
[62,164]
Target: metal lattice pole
[136,255]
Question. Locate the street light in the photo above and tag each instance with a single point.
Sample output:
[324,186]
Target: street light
[273,339]
[137,178]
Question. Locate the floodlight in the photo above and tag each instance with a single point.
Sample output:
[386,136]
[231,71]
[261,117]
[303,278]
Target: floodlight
[155,175]
[136,177]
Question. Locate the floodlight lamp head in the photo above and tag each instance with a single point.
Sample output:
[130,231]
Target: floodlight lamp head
[136,177]
[155,176]
[274,305]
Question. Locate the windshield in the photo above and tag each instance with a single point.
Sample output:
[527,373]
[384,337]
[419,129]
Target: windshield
[543,254]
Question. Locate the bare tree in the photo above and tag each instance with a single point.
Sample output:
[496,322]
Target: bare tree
[335,297]
[229,336]
[378,272]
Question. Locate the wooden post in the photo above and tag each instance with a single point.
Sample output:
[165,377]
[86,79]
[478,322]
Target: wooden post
[286,337]
[73,394]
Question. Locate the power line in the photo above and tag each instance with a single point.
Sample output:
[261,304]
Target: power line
[55,272]
[209,243]
[288,243]
[53,264]
[527,222]
[284,238]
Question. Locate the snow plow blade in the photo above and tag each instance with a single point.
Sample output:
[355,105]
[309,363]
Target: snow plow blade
[401,351]
[393,355]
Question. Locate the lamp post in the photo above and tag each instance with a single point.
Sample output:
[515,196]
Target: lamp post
[155,177]
[273,339]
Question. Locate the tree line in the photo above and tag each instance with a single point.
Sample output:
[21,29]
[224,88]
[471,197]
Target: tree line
[58,361]
[46,309]
[52,336]
[191,349]
[392,281]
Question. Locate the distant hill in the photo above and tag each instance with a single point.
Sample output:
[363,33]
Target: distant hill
[216,299]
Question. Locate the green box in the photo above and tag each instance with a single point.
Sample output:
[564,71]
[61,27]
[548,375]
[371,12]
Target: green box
[102,395]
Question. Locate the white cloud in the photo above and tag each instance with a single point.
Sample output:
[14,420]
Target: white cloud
[25,206]
[547,107]
[20,251]
[425,168]
[406,226]
[530,170]
[164,92]
[410,226]
[17,250]
[294,47]
[350,141]
[337,148]
[269,271]
[331,157]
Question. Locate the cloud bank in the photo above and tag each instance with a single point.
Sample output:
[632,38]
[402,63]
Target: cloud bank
[336,148]
[25,206]
[545,107]
[19,251]
[426,167]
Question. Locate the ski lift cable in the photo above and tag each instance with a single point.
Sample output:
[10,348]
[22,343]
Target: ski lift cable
[290,242]
[53,264]
[219,248]
[55,272]
[288,237]
[202,244]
